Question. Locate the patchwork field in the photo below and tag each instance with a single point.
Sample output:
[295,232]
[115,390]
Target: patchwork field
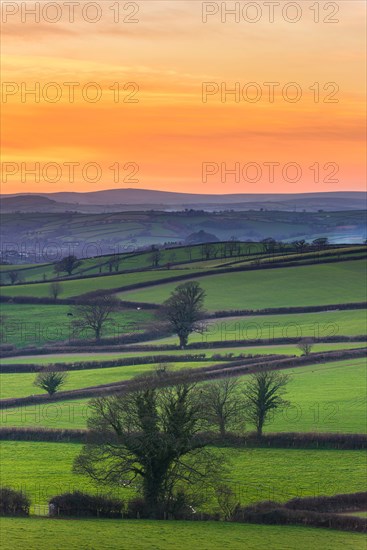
[21,385]
[289,286]
[268,327]
[285,349]
[323,398]
[39,324]
[253,474]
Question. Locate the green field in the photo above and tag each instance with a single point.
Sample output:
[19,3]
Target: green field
[324,398]
[38,324]
[268,327]
[21,385]
[289,286]
[77,287]
[41,534]
[285,349]
[254,474]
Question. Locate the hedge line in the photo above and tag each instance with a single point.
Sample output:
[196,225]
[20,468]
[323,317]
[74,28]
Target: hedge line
[70,301]
[275,513]
[206,273]
[294,440]
[235,368]
[294,309]
[248,343]
[128,361]
[343,502]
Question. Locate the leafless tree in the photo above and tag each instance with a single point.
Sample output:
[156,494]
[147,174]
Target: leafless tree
[263,394]
[223,404]
[55,289]
[13,276]
[95,314]
[184,310]
[305,345]
[149,438]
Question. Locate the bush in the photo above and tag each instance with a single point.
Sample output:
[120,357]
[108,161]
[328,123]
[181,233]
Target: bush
[349,502]
[177,508]
[13,503]
[82,504]
[299,512]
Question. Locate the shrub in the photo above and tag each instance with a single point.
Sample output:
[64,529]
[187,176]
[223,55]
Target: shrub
[82,504]
[336,503]
[13,503]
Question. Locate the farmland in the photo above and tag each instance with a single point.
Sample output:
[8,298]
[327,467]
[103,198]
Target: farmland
[77,534]
[254,474]
[285,349]
[323,397]
[301,286]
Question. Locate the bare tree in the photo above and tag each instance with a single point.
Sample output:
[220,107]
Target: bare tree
[51,379]
[95,314]
[184,310]
[209,250]
[149,438]
[227,500]
[13,276]
[305,345]
[222,404]
[55,290]
[67,264]
[263,394]
[113,263]
[156,257]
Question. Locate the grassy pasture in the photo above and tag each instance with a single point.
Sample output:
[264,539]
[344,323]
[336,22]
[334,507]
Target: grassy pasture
[141,535]
[77,287]
[324,398]
[286,349]
[21,385]
[289,286]
[38,324]
[253,474]
[188,255]
[268,327]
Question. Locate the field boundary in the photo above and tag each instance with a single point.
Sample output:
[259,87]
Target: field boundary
[236,368]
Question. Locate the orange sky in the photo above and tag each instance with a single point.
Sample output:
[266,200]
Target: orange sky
[167,136]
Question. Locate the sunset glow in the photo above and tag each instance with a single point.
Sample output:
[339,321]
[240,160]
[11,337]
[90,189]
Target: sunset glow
[160,130]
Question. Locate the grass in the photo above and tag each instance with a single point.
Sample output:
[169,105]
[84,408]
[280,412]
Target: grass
[21,385]
[324,398]
[254,474]
[77,287]
[38,324]
[289,286]
[285,349]
[41,534]
[268,327]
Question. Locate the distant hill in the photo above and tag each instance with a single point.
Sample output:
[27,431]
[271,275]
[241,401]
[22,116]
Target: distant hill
[114,200]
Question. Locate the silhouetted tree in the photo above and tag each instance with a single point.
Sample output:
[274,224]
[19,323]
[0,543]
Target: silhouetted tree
[149,438]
